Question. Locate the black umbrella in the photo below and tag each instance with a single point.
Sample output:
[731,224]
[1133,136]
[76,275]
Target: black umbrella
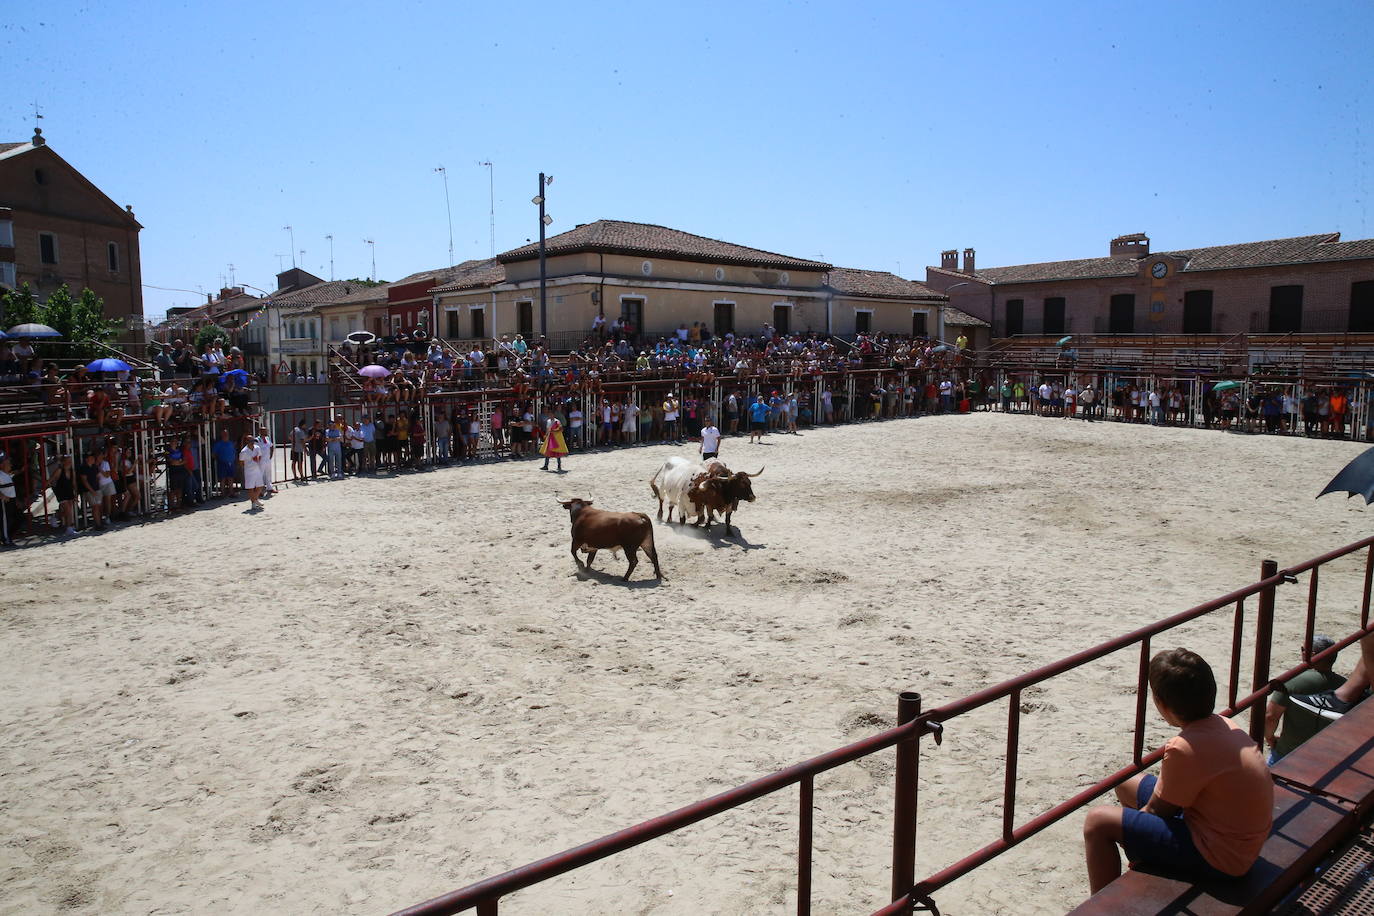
[1355,479]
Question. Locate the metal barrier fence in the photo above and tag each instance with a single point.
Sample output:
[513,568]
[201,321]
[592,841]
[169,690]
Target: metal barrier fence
[913,724]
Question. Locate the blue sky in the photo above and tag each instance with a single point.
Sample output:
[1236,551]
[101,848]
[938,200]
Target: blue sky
[871,135]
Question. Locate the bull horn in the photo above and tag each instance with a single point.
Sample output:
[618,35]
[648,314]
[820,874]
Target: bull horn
[755,474]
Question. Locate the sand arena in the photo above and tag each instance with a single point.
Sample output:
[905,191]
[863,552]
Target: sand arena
[380,690]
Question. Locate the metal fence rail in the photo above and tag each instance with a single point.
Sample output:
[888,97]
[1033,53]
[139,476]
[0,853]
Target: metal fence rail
[913,724]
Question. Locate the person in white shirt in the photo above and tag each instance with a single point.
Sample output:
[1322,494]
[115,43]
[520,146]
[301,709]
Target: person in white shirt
[710,442]
[250,456]
[9,503]
[267,445]
[575,426]
[629,422]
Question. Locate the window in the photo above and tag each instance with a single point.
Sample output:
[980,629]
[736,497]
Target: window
[524,319]
[1285,309]
[919,328]
[863,321]
[47,248]
[724,318]
[7,278]
[1361,305]
[1197,311]
[333,329]
[1122,317]
[479,323]
[40,176]
[6,233]
[632,310]
[1054,315]
[112,256]
[455,328]
[1016,317]
[782,319]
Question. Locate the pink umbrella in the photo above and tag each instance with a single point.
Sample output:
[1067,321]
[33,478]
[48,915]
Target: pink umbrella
[374,371]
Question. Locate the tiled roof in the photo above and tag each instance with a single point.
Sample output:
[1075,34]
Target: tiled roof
[617,237]
[1306,249]
[6,147]
[364,294]
[961,318]
[849,281]
[475,274]
[1083,269]
[305,299]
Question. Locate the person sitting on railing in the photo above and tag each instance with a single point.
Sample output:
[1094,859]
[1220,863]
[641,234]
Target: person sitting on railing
[1208,813]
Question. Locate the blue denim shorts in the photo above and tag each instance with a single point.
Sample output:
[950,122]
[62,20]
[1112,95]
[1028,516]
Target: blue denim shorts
[1163,842]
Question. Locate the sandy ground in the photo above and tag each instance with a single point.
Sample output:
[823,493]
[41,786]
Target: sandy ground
[381,690]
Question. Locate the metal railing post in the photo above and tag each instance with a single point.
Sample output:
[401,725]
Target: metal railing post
[904,802]
[1264,637]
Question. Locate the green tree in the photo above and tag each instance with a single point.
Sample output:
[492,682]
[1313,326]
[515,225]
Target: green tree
[208,333]
[80,321]
[19,306]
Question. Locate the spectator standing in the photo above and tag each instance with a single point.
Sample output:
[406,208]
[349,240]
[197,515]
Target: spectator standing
[333,437]
[443,436]
[226,461]
[64,487]
[298,440]
[10,516]
[758,419]
[670,417]
[250,456]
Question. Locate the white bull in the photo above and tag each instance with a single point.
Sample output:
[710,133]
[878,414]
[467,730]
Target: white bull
[673,482]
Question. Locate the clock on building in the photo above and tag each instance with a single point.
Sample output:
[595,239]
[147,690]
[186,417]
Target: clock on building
[1159,270]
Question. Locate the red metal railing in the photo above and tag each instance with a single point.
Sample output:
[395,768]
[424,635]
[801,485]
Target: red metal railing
[913,724]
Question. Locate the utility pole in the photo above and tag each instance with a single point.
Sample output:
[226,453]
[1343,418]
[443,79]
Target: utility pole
[449,208]
[544,220]
[331,255]
[373,246]
[491,194]
[293,244]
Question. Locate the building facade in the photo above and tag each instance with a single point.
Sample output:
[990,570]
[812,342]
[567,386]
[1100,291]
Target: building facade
[1306,285]
[659,278]
[56,228]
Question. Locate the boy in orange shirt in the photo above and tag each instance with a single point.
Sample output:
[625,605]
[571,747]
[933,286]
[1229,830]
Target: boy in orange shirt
[1209,812]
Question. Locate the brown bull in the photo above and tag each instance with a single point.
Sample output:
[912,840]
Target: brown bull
[597,529]
[713,493]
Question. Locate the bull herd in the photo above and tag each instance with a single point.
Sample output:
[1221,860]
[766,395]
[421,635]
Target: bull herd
[690,487]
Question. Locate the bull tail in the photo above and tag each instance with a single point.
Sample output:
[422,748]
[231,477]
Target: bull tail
[653,485]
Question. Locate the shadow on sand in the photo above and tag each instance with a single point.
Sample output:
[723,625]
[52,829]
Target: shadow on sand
[617,578]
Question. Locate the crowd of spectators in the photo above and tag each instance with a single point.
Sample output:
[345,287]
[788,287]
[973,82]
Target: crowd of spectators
[1323,412]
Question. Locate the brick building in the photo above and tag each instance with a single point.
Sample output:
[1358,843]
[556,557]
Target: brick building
[1310,284]
[56,227]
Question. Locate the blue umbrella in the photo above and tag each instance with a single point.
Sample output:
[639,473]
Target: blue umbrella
[34,330]
[3,335]
[238,375]
[108,365]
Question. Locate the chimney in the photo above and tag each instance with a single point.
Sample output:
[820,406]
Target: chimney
[1135,245]
[949,260]
[968,260]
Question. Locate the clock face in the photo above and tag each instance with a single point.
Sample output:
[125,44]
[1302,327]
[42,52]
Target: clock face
[1159,270]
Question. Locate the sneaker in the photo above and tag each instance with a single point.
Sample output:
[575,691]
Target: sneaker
[70,532]
[1325,704]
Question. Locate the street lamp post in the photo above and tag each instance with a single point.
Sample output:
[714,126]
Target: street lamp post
[449,207]
[544,220]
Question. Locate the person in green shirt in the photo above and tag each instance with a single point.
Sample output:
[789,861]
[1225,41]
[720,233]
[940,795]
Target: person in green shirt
[1298,723]
[1007,392]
